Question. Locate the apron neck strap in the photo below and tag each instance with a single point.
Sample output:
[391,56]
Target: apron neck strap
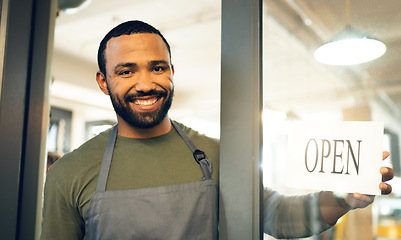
[108,155]
[199,156]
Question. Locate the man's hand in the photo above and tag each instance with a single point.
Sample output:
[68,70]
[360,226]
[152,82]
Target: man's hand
[333,208]
[387,174]
[357,200]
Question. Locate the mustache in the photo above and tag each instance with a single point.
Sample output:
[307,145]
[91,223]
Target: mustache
[151,93]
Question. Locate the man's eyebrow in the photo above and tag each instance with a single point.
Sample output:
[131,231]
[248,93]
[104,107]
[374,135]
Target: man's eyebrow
[158,62]
[122,65]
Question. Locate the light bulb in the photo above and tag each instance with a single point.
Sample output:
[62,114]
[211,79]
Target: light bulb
[348,48]
[350,51]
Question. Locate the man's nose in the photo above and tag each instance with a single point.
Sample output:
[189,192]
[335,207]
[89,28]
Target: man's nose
[144,83]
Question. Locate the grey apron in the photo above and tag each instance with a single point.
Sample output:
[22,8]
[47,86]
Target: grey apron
[184,211]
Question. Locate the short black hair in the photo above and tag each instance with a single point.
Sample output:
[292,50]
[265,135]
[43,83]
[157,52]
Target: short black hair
[125,28]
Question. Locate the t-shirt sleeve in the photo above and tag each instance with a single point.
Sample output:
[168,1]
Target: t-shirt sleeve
[292,216]
[61,219]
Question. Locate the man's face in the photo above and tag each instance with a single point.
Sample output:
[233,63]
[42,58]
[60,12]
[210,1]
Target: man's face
[139,78]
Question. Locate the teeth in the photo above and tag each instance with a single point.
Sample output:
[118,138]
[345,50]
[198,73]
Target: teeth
[146,102]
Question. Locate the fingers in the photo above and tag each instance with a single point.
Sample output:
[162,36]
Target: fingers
[364,198]
[358,200]
[385,188]
[387,173]
[385,154]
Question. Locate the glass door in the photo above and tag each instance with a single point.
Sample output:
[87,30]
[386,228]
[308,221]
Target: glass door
[298,86]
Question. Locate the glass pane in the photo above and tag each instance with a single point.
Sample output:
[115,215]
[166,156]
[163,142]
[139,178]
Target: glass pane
[298,87]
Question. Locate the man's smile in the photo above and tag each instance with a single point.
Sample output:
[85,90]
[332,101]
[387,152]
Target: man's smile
[145,102]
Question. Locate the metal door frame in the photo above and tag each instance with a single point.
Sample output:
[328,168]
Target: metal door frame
[241,122]
[24,113]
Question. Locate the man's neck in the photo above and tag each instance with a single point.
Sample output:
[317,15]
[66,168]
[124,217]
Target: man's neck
[126,130]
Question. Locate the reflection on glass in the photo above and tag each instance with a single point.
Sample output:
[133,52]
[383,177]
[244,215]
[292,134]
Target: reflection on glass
[3,28]
[297,87]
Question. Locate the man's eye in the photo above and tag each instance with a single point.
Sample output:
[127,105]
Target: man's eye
[159,69]
[124,73]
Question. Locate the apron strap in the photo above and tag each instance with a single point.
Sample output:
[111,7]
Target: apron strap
[105,167]
[199,155]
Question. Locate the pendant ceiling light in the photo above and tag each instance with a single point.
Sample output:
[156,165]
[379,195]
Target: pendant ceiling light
[72,6]
[350,47]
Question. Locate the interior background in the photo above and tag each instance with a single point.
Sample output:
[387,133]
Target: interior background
[295,85]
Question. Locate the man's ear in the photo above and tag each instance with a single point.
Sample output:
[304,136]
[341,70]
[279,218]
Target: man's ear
[172,69]
[101,81]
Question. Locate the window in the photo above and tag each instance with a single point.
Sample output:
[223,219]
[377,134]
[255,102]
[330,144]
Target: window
[298,87]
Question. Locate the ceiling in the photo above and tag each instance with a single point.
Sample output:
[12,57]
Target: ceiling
[314,22]
[293,80]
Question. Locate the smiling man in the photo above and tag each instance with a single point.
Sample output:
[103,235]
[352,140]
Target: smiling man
[139,79]
[146,178]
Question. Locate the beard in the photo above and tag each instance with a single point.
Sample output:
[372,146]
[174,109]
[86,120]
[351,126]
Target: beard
[142,119]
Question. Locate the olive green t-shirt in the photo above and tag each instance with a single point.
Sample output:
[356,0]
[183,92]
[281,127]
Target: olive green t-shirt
[136,163]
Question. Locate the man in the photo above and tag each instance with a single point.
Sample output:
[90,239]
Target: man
[140,180]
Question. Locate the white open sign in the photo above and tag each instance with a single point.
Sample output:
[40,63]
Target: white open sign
[335,156]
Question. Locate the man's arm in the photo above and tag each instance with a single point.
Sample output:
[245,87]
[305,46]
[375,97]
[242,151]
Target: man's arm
[332,209]
[292,216]
[61,219]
